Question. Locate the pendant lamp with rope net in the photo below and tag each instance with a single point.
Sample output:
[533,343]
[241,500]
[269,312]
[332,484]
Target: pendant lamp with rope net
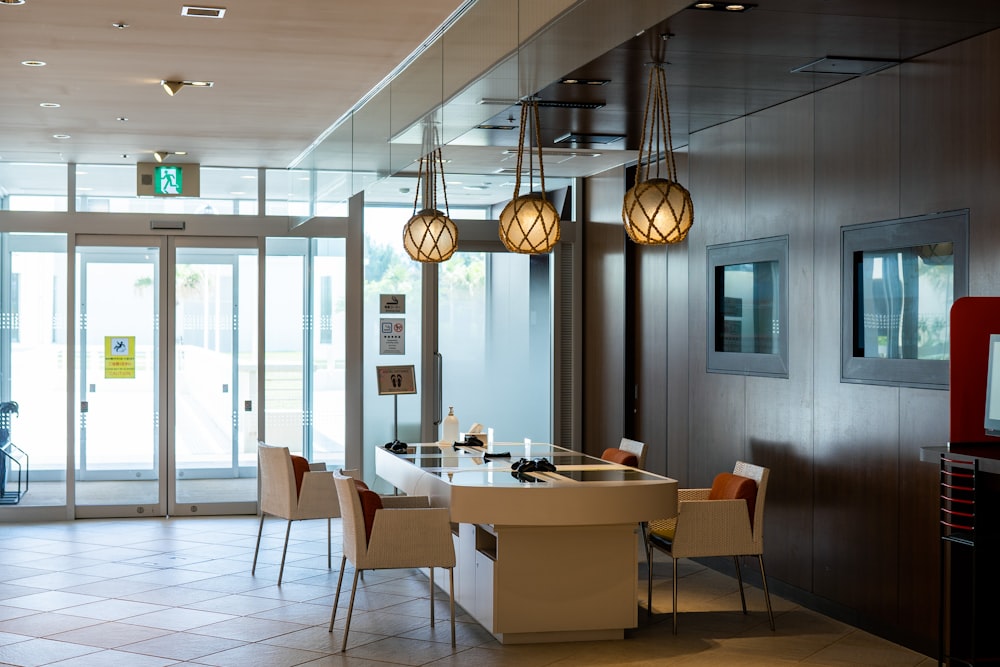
[657,210]
[529,224]
[430,236]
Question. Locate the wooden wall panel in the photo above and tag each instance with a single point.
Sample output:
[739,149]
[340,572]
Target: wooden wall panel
[717,411]
[603,312]
[779,418]
[650,341]
[856,430]
[679,341]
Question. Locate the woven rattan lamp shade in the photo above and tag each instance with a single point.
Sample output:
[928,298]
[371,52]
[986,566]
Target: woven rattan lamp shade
[657,210]
[529,224]
[430,236]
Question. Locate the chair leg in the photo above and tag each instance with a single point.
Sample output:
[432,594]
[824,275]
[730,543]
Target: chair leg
[350,610]
[451,601]
[284,550]
[256,549]
[336,599]
[739,579]
[329,545]
[675,592]
[432,595]
[767,594]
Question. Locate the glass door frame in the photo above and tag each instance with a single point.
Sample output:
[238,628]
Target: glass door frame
[167,245]
[170,380]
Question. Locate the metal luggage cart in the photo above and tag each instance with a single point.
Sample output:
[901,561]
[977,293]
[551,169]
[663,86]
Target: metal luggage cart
[12,458]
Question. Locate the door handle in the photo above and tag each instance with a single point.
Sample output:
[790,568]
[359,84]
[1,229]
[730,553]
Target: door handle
[438,382]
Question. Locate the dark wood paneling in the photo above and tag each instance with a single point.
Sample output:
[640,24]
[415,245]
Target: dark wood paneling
[717,410]
[920,412]
[650,343]
[603,313]
[779,422]
[856,430]
[950,146]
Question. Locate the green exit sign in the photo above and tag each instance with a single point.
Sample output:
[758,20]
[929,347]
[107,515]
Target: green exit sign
[168,180]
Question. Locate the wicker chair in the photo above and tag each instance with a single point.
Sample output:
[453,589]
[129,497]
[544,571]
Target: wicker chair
[392,537]
[637,448]
[291,490]
[715,522]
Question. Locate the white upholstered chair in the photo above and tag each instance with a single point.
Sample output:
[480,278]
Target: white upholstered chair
[637,448]
[291,491]
[392,537]
[715,522]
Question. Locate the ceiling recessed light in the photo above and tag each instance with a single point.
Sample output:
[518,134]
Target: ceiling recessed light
[33,63]
[49,105]
[122,119]
[60,136]
[120,25]
[735,7]
[585,82]
[11,2]
[180,152]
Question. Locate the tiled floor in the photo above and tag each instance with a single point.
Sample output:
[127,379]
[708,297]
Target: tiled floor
[157,592]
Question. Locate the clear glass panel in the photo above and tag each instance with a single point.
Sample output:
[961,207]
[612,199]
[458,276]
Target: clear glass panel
[117,306]
[36,310]
[748,308]
[905,296]
[26,186]
[329,350]
[496,340]
[304,375]
[215,431]
[389,270]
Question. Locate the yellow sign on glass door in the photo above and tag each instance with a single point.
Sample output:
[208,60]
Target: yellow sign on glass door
[119,357]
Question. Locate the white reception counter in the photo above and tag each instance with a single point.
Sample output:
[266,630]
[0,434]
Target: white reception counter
[551,560]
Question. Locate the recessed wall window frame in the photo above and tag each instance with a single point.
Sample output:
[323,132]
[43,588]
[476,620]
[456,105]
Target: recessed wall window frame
[889,336]
[748,307]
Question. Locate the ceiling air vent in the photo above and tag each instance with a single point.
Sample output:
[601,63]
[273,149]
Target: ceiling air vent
[203,12]
[846,65]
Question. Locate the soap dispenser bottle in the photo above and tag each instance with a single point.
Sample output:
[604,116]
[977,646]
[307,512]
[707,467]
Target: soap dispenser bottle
[449,431]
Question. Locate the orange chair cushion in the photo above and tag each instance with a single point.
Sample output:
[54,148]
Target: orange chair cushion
[620,456]
[727,486]
[300,467]
[371,502]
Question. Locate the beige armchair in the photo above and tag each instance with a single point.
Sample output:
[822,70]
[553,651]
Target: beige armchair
[726,520]
[392,537]
[637,448]
[291,490]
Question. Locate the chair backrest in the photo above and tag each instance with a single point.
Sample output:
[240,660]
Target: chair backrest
[760,475]
[278,492]
[637,448]
[620,456]
[352,518]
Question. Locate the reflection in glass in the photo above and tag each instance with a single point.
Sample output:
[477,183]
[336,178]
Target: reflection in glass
[904,295]
[747,308]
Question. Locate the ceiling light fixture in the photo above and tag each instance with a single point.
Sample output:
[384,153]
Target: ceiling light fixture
[732,7]
[529,223]
[160,156]
[33,63]
[60,136]
[11,2]
[120,25]
[430,236]
[573,81]
[172,87]
[657,210]
[49,105]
